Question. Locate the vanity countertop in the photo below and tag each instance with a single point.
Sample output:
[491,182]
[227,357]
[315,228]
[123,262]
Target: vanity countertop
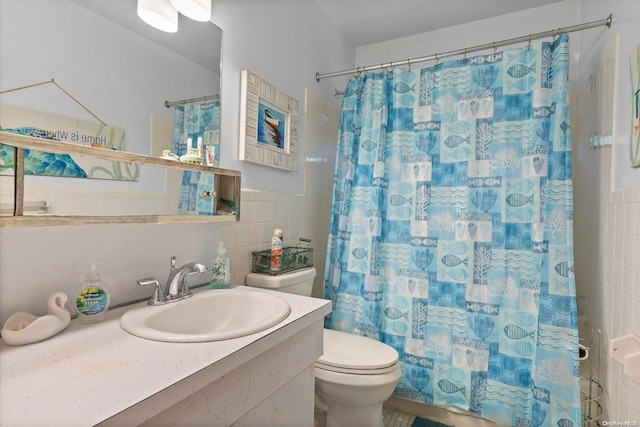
[90,373]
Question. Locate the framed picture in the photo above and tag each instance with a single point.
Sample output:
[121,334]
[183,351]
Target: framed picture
[268,124]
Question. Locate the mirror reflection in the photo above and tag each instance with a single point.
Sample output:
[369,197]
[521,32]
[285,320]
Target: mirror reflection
[110,68]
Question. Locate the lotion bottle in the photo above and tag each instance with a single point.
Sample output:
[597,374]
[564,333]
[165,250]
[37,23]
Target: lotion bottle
[92,298]
[220,272]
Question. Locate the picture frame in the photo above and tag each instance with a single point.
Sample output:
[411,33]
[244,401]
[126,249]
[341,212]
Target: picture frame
[268,124]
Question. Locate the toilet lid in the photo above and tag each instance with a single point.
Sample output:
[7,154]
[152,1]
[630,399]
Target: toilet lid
[343,351]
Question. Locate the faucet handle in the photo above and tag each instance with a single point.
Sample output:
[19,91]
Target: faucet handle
[158,296]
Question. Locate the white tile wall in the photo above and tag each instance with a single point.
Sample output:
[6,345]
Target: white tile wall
[607,264]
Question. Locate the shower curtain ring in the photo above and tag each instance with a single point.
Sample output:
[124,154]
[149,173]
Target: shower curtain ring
[465,54]
[409,64]
[437,59]
[495,51]
[529,43]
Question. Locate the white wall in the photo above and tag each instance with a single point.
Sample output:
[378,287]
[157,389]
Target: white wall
[626,14]
[476,33]
[285,42]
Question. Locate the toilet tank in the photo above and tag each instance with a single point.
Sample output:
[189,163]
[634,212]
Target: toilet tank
[298,282]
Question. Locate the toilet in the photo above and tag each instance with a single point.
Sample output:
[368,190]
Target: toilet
[355,374]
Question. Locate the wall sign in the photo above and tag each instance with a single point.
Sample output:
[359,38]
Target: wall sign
[58,128]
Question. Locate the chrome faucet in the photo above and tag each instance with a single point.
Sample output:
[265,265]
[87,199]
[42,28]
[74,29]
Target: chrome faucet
[177,287]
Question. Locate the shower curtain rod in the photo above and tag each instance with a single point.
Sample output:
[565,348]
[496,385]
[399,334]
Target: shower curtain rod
[465,51]
[187,101]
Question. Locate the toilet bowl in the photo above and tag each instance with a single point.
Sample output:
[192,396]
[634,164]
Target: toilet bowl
[354,375]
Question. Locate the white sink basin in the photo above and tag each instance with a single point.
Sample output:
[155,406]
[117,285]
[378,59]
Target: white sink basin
[209,315]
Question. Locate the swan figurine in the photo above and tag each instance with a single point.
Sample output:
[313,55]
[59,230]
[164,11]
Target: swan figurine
[24,328]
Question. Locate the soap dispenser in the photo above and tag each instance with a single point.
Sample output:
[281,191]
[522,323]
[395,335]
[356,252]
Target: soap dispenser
[220,272]
[92,298]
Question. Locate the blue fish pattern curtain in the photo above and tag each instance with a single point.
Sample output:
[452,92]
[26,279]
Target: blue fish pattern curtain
[452,228]
[193,121]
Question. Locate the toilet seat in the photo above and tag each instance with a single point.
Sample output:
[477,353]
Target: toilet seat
[336,369]
[354,354]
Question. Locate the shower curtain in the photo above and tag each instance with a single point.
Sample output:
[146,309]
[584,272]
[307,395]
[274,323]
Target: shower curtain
[191,122]
[451,231]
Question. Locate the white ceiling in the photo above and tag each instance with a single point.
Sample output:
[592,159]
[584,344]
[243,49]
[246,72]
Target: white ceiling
[363,22]
[360,22]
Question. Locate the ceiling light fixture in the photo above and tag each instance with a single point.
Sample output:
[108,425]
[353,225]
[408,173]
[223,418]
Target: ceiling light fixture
[198,10]
[159,14]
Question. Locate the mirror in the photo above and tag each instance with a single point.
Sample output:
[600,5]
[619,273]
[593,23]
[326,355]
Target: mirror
[114,69]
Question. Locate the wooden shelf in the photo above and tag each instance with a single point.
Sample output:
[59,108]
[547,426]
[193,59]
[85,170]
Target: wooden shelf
[52,220]
[227,184]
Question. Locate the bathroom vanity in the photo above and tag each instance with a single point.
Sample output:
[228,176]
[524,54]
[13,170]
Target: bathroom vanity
[98,374]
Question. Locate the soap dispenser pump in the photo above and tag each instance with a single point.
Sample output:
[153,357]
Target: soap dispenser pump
[92,298]
[220,272]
